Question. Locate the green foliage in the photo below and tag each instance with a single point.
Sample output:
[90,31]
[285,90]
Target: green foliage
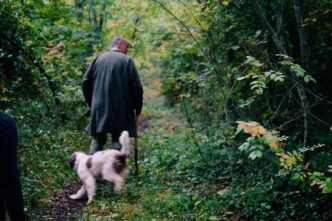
[218,64]
[243,72]
[254,149]
[287,62]
[260,78]
[41,63]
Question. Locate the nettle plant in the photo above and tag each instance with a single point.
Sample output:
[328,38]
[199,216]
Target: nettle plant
[291,163]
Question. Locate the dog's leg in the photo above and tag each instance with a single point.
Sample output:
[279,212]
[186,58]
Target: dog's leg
[80,193]
[117,180]
[90,185]
[118,185]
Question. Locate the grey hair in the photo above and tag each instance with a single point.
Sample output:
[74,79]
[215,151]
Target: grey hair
[117,40]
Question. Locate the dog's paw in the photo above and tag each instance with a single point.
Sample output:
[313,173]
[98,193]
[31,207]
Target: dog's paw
[120,191]
[73,197]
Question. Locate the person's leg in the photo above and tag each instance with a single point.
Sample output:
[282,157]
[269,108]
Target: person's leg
[115,141]
[3,163]
[12,187]
[2,205]
[98,142]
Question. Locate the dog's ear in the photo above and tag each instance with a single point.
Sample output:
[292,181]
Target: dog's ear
[72,160]
[119,164]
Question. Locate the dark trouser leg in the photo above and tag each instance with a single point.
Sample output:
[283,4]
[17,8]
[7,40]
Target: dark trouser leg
[115,141]
[10,186]
[2,205]
[98,142]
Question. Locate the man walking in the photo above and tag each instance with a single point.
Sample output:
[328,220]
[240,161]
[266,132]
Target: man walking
[113,91]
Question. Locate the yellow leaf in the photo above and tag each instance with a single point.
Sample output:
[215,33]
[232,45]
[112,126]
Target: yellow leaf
[226,2]
[202,5]
[252,124]
[261,130]
[256,130]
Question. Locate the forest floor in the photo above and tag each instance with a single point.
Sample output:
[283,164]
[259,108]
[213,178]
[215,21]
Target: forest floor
[155,116]
[172,183]
[64,208]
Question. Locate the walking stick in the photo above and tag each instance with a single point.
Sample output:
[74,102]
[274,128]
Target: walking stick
[136,151]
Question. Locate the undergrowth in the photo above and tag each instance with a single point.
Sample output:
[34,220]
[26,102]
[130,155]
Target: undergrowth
[184,173]
[173,182]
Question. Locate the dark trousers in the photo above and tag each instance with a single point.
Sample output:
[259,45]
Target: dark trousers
[99,140]
[10,186]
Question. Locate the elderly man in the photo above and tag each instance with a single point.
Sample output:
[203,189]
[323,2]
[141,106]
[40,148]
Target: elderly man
[113,91]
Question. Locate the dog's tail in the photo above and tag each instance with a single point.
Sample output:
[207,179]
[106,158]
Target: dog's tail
[125,143]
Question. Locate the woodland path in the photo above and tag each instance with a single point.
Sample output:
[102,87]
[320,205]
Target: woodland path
[65,209]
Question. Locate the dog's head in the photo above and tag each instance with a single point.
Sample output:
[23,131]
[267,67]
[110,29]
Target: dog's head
[76,158]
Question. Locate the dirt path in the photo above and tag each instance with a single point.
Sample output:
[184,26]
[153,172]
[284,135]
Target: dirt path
[64,208]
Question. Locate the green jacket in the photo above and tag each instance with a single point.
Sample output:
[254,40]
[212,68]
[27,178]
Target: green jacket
[114,93]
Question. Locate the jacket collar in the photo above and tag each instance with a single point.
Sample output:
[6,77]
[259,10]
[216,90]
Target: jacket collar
[115,49]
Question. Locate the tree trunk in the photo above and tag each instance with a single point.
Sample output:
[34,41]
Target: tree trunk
[304,47]
[102,16]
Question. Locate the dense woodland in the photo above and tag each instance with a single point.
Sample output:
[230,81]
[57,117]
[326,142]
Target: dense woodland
[237,119]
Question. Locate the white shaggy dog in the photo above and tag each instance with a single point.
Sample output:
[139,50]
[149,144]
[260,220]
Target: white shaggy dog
[109,164]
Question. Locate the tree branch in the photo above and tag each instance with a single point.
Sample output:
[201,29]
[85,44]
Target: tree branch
[280,47]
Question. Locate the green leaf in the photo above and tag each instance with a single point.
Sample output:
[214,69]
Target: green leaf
[197,202]
[244,146]
[253,61]
[255,154]
[256,147]
[235,48]
[306,79]
[327,186]
[240,78]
